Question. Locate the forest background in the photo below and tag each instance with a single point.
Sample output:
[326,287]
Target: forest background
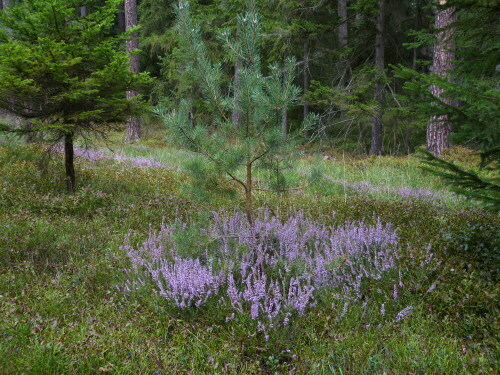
[351,257]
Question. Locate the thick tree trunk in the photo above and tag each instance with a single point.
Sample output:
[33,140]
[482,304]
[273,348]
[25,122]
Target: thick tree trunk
[134,123]
[439,127]
[306,81]
[377,126]
[69,162]
[342,29]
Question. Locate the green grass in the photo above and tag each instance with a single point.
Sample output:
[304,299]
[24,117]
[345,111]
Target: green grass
[61,269]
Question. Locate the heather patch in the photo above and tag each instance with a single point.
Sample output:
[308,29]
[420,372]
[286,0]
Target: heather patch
[272,271]
[120,157]
[405,192]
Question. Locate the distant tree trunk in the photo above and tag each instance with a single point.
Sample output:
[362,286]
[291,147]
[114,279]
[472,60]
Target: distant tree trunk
[377,126]
[134,123]
[284,123]
[4,4]
[121,17]
[416,27]
[307,80]
[342,30]
[439,127]
[83,11]
[69,162]
[236,115]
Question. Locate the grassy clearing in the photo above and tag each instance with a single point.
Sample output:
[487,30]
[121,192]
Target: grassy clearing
[61,269]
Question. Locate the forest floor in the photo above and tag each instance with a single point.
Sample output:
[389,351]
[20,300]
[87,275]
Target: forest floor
[64,310]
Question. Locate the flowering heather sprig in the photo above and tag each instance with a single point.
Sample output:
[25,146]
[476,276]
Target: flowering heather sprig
[272,269]
[403,313]
[187,282]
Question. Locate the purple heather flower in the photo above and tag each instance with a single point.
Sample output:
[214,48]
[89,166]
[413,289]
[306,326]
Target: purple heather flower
[403,313]
[272,269]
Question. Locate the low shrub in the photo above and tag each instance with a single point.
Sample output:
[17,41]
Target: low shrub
[274,270]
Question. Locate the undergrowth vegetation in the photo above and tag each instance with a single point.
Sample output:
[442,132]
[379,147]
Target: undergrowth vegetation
[129,274]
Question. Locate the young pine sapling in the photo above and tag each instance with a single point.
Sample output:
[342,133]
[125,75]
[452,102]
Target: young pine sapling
[229,145]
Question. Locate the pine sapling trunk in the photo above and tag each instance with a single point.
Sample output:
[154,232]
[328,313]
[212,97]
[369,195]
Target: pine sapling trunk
[248,194]
[69,161]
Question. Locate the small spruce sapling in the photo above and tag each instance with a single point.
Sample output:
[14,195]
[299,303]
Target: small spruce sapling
[235,148]
[64,71]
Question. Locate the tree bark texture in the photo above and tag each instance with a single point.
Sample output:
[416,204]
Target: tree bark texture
[69,162]
[377,125]
[284,123]
[133,132]
[439,127]
[306,82]
[342,29]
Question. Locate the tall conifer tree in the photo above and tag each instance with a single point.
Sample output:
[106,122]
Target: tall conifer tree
[439,127]
[133,132]
[377,126]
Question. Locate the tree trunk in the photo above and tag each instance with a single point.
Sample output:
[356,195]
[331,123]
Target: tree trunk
[377,126]
[4,4]
[342,29]
[248,194]
[69,162]
[439,127]
[236,115]
[306,82]
[134,123]
[121,18]
[284,123]
[84,11]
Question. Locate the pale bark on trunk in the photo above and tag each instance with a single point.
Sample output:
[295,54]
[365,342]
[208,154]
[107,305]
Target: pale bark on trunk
[4,4]
[133,132]
[439,127]
[284,123]
[84,11]
[377,126]
[342,29]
